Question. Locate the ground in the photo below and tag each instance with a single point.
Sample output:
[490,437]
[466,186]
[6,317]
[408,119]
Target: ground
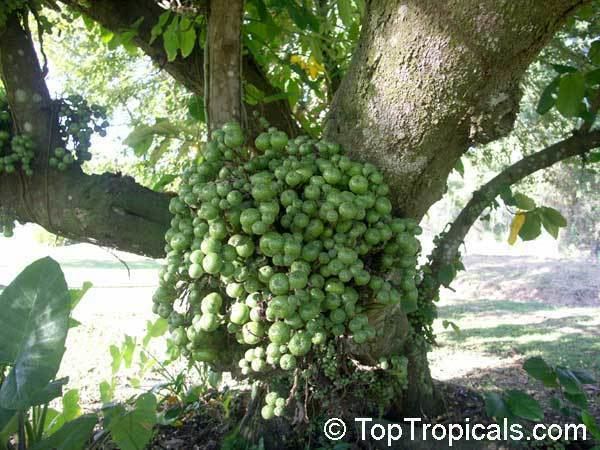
[507,308]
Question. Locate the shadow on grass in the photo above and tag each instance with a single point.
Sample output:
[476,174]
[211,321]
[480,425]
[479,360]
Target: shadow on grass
[95,264]
[489,307]
[573,341]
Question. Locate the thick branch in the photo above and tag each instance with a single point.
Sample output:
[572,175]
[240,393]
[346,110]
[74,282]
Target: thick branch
[224,49]
[108,209]
[27,93]
[429,78]
[447,249]
[119,15]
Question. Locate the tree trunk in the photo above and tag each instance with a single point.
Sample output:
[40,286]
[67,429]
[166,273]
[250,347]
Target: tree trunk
[430,78]
[223,91]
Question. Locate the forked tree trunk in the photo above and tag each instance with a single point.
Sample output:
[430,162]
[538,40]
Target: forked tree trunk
[430,78]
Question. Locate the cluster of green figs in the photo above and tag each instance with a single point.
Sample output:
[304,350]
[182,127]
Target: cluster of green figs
[16,150]
[282,245]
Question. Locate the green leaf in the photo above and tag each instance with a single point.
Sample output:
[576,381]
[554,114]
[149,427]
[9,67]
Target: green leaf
[77,294]
[54,421]
[552,220]
[449,323]
[171,44]
[409,304]
[537,368]
[524,406]
[196,108]
[523,202]
[562,68]
[70,401]
[446,274]
[70,411]
[594,53]
[496,407]
[571,92]
[187,41]
[157,29]
[72,435]
[345,11]
[132,430]
[127,351]
[547,99]
[106,36]
[159,150]
[460,167]
[8,431]
[107,392]
[117,358]
[506,195]
[33,329]
[140,139]
[163,181]
[51,391]
[301,16]
[568,381]
[155,329]
[553,216]
[164,18]
[532,227]
[6,416]
[579,400]
[555,403]
[590,423]
[592,78]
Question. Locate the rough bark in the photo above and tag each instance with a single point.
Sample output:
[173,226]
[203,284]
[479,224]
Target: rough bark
[224,50]
[430,78]
[109,210]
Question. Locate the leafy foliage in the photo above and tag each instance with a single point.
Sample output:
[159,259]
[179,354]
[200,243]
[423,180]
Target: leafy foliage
[34,325]
[515,404]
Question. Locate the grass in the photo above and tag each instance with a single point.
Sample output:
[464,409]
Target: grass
[503,328]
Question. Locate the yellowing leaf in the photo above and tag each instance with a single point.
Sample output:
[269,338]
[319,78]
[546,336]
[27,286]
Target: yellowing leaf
[515,227]
[314,68]
[297,59]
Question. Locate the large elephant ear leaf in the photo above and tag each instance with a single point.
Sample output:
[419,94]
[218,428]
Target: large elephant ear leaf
[34,321]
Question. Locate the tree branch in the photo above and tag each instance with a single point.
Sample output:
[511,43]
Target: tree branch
[224,49]
[119,15]
[447,249]
[106,209]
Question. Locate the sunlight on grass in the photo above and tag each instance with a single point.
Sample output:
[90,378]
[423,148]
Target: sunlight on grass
[509,329]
